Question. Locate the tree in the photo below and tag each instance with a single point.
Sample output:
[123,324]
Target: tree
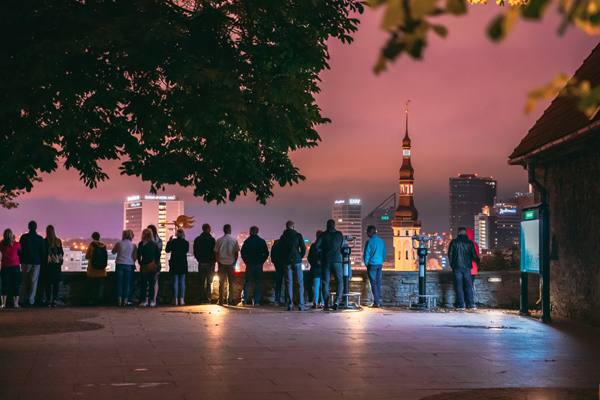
[209,94]
[409,22]
[508,260]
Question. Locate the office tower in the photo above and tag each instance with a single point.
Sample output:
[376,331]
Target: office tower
[406,224]
[382,217]
[468,195]
[161,211]
[347,215]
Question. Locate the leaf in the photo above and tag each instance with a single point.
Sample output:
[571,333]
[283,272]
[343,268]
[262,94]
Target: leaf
[502,25]
[421,8]
[440,30]
[394,15]
[456,7]
[535,8]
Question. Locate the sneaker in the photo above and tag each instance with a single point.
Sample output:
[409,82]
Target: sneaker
[326,307]
[230,303]
[181,302]
[290,308]
[374,305]
[276,304]
[461,308]
[335,307]
[53,304]
[153,304]
[302,308]
[129,303]
[144,304]
[175,302]
[3,306]
[241,304]
[256,305]
[315,306]
[473,308]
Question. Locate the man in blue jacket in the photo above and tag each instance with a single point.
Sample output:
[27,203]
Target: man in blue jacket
[373,256]
[254,253]
[32,253]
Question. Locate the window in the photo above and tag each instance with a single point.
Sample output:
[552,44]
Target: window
[407,254]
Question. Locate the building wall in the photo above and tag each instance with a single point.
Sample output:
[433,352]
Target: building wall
[573,187]
[468,195]
[348,220]
[405,256]
[396,286]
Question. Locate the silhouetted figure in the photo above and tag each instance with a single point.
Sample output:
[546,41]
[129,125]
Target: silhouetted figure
[178,265]
[126,252]
[373,257]
[292,252]
[148,256]
[279,265]
[50,274]
[33,251]
[97,257]
[226,252]
[254,253]
[461,254]
[314,259]
[204,252]
[10,270]
[329,245]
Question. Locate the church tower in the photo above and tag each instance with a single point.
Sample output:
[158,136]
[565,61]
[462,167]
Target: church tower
[406,224]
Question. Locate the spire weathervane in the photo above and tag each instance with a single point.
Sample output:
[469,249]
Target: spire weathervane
[408,101]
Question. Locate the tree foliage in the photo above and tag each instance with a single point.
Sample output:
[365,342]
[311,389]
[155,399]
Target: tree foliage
[502,261]
[409,22]
[209,94]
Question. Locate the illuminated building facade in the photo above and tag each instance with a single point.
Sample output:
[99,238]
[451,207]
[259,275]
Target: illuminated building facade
[347,215]
[406,223]
[161,211]
[468,195]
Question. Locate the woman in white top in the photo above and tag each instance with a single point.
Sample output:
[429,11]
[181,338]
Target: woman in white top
[126,252]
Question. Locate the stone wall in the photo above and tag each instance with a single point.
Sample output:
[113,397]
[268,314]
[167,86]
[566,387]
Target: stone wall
[573,185]
[396,286]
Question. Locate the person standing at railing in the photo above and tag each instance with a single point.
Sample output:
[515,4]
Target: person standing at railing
[373,257]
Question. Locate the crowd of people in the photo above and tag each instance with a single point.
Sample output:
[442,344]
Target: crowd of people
[36,259]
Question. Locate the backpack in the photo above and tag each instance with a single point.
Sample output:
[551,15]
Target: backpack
[99,257]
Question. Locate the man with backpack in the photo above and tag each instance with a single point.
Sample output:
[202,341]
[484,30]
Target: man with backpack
[97,257]
[292,249]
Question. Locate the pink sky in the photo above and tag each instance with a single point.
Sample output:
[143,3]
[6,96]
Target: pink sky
[466,116]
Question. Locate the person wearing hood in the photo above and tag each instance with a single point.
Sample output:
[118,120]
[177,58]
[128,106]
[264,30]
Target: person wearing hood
[97,257]
[462,254]
[329,245]
[314,260]
[292,252]
[471,236]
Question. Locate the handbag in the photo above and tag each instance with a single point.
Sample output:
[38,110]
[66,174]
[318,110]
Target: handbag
[147,268]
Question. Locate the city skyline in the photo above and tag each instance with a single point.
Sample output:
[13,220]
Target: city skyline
[467,100]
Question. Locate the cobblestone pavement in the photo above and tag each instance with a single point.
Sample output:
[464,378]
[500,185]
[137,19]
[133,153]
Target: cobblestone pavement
[211,352]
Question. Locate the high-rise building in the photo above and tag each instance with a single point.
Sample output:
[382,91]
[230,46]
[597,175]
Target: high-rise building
[406,223]
[468,195]
[382,217]
[161,211]
[347,215]
[484,225]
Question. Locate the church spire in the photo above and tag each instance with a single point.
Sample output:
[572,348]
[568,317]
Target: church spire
[406,141]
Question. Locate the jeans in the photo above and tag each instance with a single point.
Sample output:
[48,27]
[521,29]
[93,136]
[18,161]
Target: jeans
[279,274]
[338,272]
[317,282]
[31,274]
[463,280]
[179,285]
[206,274]
[148,281]
[254,273]
[11,280]
[375,280]
[294,271]
[226,272]
[124,273]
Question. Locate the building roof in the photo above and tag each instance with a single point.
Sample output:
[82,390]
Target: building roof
[563,116]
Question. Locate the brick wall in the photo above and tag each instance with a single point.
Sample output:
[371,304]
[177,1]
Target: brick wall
[573,190]
[396,286]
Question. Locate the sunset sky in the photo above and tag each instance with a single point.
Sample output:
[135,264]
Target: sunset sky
[466,116]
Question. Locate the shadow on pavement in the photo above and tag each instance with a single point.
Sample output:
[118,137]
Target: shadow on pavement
[43,321]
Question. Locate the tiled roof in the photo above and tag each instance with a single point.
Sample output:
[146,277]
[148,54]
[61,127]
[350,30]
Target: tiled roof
[562,117]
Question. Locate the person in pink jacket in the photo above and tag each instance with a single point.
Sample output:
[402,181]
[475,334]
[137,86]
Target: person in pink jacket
[471,236]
